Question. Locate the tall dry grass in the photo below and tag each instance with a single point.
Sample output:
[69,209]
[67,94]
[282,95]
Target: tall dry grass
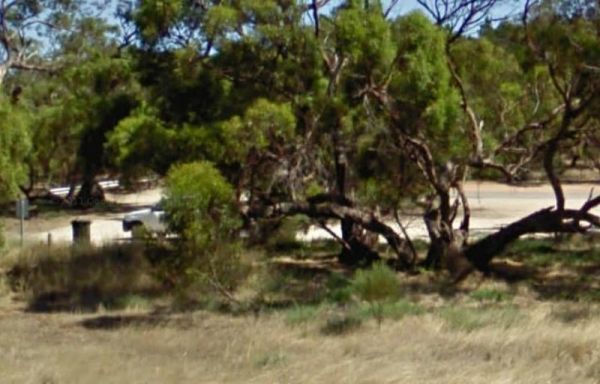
[202,347]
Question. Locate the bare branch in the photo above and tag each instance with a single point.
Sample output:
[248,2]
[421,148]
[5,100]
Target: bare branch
[369,221]
[334,235]
[459,16]
[390,8]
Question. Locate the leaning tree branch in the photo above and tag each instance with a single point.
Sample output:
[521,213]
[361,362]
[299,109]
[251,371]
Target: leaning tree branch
[547,220]
[331,233]
[367,220]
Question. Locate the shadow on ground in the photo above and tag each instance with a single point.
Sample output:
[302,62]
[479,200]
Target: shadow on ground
[83,279]
[113,322]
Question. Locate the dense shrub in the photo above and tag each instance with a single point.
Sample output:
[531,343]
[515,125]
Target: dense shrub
[200,207]
[199,203]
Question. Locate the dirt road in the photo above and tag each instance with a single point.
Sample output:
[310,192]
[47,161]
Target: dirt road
[105,227]
[493,205]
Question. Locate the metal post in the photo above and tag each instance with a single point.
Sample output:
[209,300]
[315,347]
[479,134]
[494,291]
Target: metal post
[22,228]
[22,213]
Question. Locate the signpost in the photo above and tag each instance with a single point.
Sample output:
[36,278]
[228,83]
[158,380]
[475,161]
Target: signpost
[22,209]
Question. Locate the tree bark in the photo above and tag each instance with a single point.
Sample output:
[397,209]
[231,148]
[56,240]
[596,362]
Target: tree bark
[89,195]
[367,220]
[548,220]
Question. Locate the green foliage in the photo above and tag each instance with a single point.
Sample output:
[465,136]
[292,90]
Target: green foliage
[423,88]
[265,125]
[75,110]
[377,285]
[15,144]
[199,203]
[339,289]
[364,36]
[546,252]
[282,238]
[156,17]
[141,142]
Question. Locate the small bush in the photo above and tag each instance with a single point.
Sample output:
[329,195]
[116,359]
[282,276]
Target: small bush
[376,286]
[379,283]
[199,203]
[200,206]
[339,288]
[282,238]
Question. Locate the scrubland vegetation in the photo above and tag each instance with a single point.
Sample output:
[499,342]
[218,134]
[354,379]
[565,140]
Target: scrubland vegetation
[73,315]
[262,117]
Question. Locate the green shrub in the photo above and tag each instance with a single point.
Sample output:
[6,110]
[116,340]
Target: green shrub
[379,283]
[200,206]
[376,286]
[339,288]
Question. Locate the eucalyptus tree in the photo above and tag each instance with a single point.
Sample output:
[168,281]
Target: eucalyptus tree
[534,106]
[31,29]
[73,108]
[343,112]
[15,143]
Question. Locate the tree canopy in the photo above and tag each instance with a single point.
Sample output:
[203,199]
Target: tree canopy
[337,110]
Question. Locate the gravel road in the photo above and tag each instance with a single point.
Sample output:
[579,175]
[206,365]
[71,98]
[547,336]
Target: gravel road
[493,205]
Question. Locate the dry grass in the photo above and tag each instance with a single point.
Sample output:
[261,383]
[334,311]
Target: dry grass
[484,331]
[202,347]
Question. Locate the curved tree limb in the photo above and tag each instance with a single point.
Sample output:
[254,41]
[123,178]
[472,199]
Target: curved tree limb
[547,220]
[367,220]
